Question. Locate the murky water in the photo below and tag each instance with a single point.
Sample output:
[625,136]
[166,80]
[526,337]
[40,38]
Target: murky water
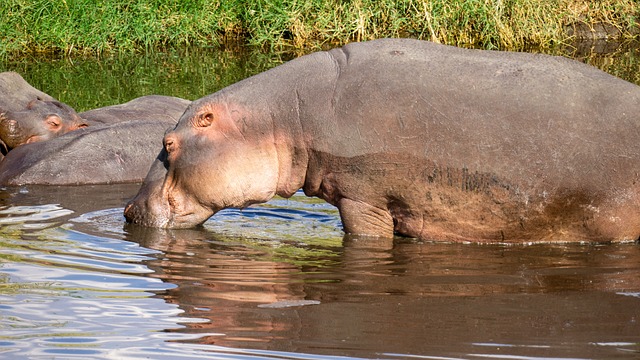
[279,280]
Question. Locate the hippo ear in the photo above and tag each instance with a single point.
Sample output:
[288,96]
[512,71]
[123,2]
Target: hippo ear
[204,120]
[53,122]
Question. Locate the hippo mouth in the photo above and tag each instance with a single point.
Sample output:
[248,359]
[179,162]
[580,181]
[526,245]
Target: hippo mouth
[160,205]
[8,127]
[183,212]
[136,214]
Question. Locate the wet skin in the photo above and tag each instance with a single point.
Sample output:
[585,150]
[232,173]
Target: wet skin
[417,139]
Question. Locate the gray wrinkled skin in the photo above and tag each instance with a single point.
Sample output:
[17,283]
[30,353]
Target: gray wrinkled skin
[117,146]
[149,107]
[417,139]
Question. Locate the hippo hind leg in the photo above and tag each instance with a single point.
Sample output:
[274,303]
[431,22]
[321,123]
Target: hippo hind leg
[359,218]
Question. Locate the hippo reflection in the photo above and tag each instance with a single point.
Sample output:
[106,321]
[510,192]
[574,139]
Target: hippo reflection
[416,138]
[379,295]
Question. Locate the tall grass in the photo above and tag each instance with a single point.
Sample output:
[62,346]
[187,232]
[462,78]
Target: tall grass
[96,26]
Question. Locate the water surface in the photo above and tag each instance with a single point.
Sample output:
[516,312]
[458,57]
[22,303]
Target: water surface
[280,281]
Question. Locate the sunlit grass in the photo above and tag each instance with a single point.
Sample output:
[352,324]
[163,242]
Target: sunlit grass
[87,26]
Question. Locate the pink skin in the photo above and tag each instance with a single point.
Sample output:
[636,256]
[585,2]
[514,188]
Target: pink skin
[204,174]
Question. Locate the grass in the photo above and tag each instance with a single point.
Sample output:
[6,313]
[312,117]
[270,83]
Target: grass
[98,26]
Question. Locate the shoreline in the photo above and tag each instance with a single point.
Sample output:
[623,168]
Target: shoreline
[85,27]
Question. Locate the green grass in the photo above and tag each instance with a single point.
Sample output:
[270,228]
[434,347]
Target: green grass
[98,26]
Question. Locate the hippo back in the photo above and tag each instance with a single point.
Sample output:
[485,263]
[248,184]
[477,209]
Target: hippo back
[150,107]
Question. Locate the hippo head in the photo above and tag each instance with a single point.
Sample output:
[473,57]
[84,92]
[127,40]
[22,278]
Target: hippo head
[40,120]
[218,156]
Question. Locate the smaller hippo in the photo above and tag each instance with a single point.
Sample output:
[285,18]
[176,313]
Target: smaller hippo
[100,154]
[117,146]
[45,119]
[40,120]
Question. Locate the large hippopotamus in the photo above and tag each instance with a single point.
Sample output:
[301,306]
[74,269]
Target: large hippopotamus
[416,138]
[117,146]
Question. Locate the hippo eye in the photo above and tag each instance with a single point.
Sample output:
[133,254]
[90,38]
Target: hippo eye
[204,120]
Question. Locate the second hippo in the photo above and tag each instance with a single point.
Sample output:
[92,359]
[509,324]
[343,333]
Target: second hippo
[39,120]
[117,146]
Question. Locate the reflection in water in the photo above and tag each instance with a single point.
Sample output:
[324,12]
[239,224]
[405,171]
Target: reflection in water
[372,297]
[280,281]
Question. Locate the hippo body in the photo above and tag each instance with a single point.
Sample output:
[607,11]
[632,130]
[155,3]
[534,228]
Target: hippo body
[420,139]
[101,154]
[159,107]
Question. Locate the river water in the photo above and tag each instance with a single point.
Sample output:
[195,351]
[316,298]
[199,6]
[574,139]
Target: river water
[279,280]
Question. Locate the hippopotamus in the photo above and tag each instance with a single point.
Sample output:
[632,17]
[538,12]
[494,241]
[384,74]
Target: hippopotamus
[28,114]
[45,119]
[40,120]
[417,139]
[102,154]
[117,146]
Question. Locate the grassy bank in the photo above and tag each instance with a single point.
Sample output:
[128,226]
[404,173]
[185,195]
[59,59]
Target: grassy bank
[95,26]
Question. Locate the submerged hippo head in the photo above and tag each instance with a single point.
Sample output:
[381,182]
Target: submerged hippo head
[209,162]
[40,120]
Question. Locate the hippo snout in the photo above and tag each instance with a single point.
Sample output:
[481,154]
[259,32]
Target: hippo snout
[10,132]
[8,126]
[137,213]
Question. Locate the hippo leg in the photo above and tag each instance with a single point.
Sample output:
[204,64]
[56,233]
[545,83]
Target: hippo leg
[360,218]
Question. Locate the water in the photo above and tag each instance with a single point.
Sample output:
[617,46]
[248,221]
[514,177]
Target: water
[279,281]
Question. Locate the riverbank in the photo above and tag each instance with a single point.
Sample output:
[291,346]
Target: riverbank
[95,27]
